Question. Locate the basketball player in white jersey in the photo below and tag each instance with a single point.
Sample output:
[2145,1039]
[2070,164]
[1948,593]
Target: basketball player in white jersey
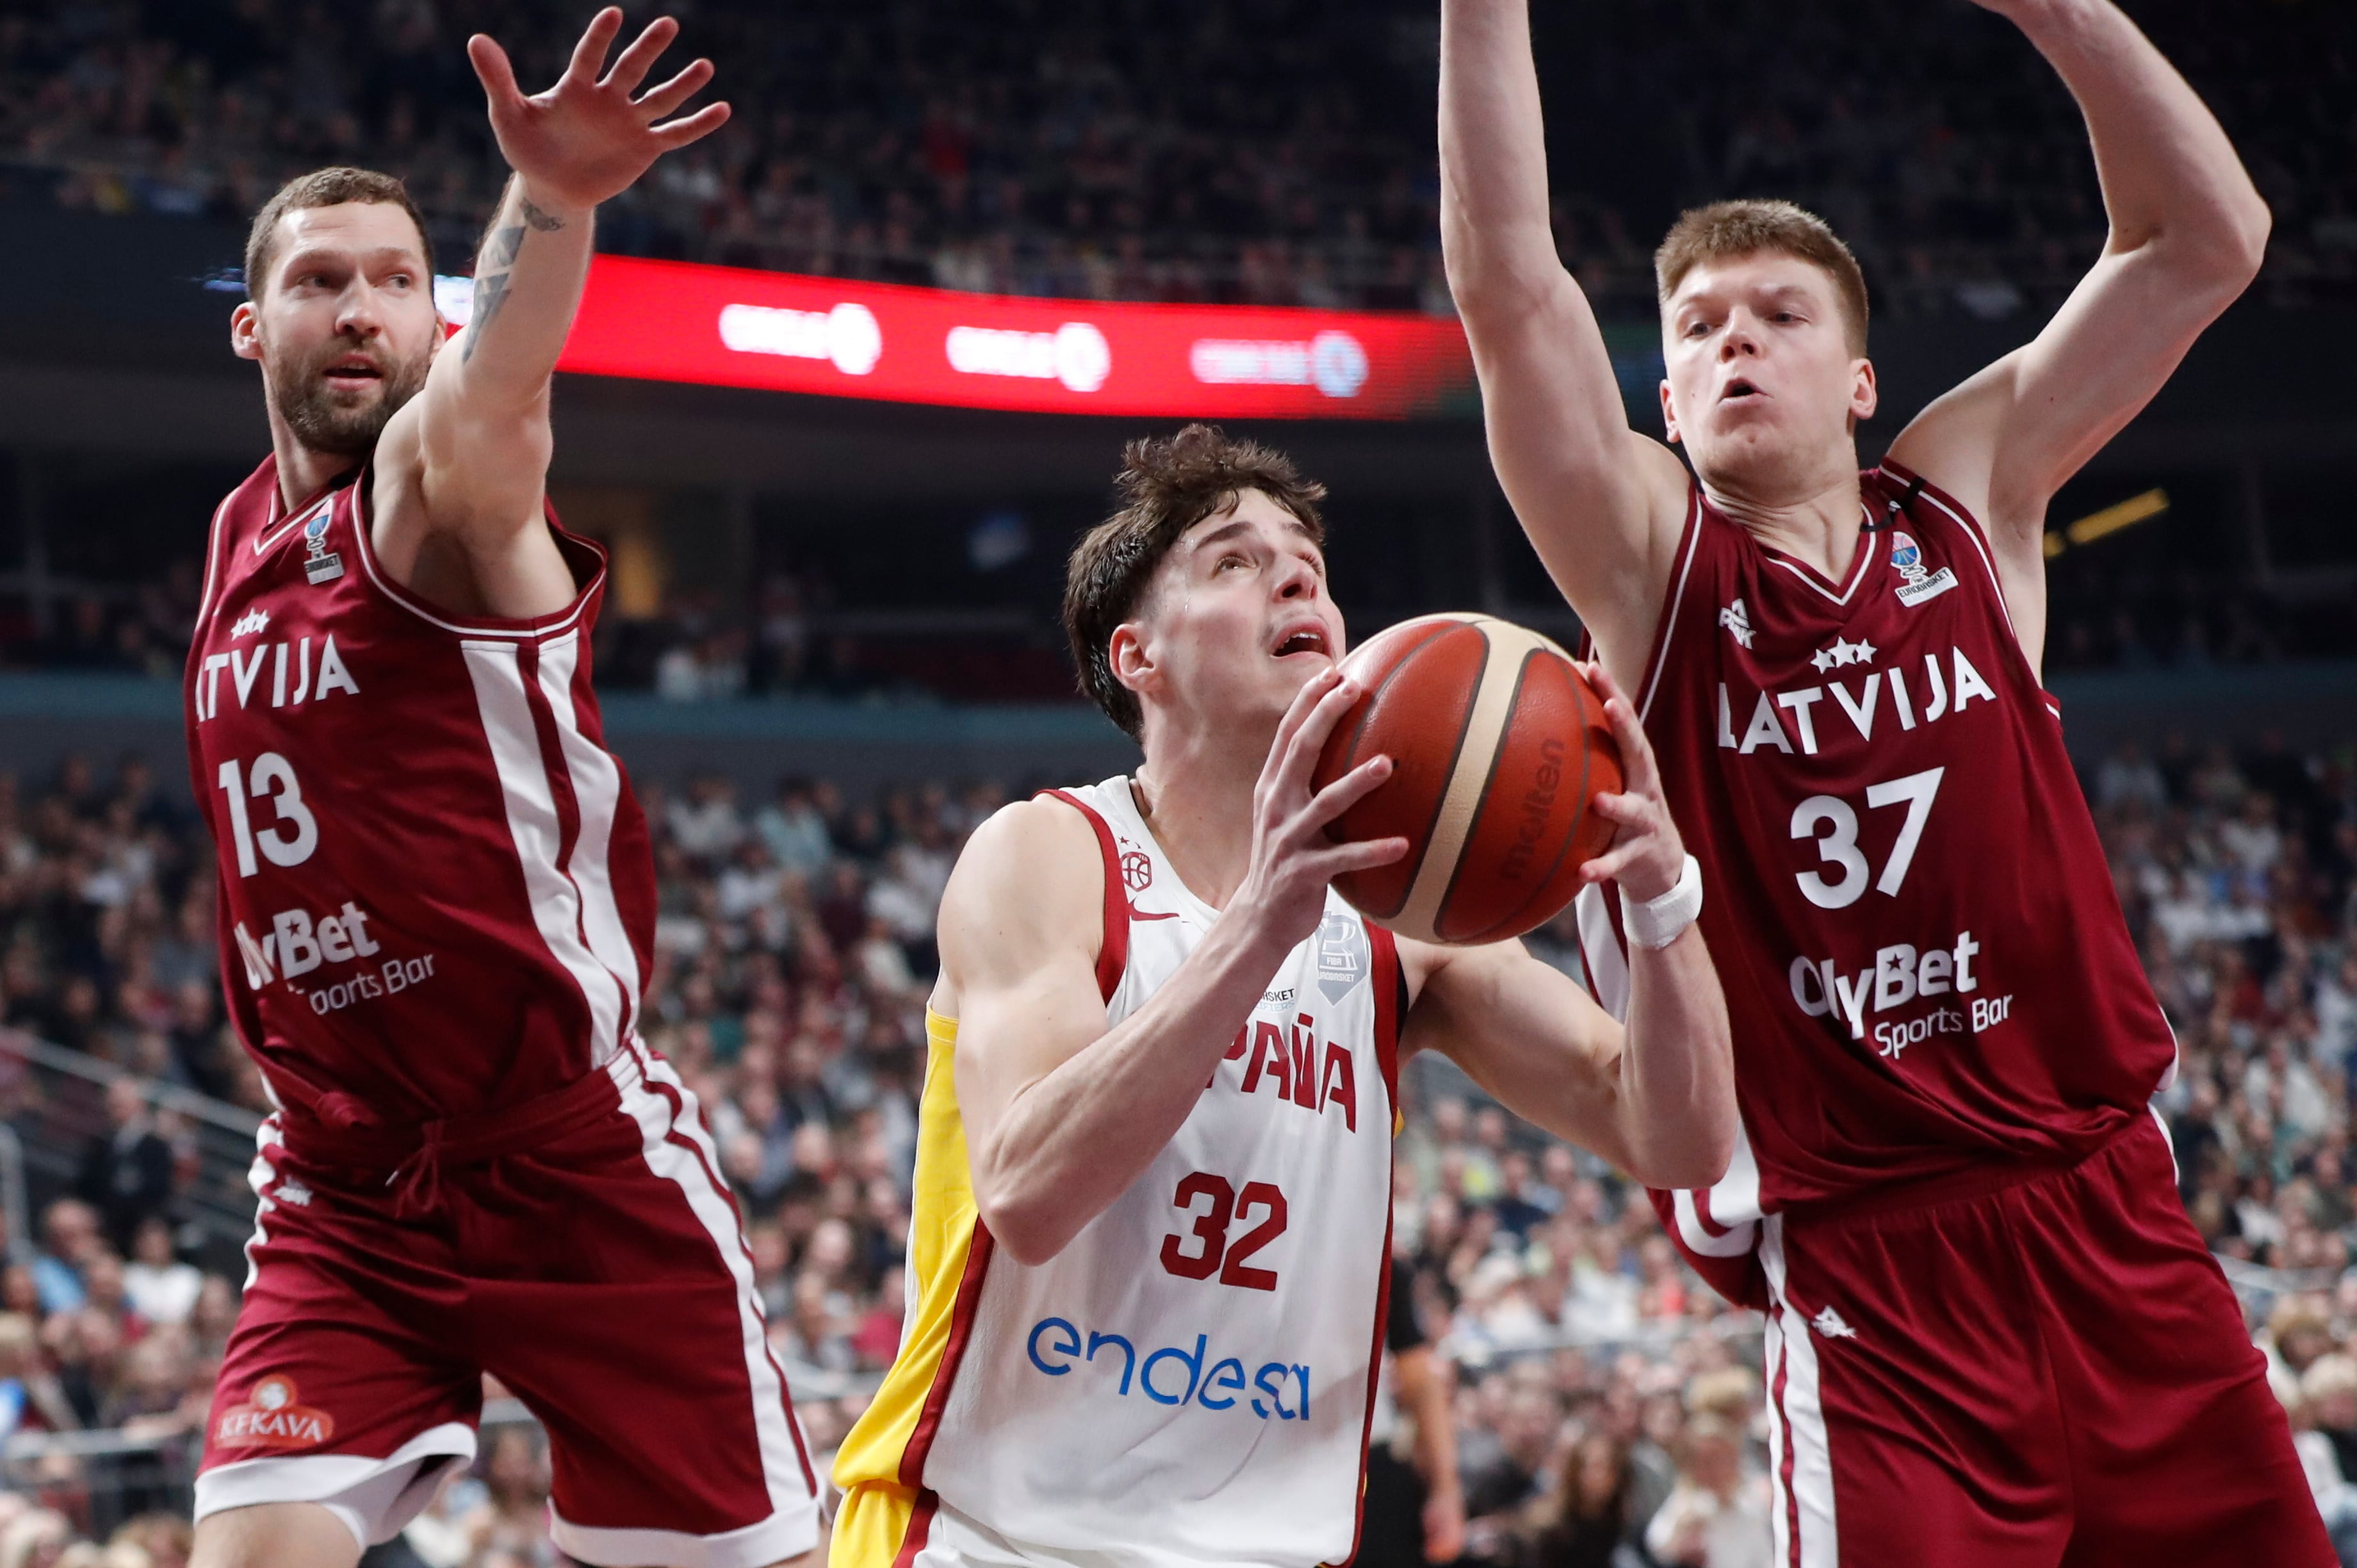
[1153,1191]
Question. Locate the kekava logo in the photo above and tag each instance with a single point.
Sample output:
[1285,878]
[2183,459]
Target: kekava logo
[272,1419]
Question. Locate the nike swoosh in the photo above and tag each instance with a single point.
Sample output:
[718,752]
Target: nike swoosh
[1137,914]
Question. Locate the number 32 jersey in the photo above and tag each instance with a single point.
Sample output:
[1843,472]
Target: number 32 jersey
[1189,1381]
[1923,956]
[436,894]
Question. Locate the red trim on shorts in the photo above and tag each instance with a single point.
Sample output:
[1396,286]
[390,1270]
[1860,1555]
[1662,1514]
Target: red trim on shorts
[671,1134]
[1784,1466]
[937,1398]
[920,1526]
[1113,951]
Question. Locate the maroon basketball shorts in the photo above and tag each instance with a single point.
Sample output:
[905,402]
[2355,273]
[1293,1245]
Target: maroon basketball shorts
[598,1270]
[2051,1373]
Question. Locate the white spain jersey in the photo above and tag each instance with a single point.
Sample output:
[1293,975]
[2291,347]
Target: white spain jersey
[1190,1381]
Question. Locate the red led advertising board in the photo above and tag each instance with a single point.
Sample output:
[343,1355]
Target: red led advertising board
[675,321]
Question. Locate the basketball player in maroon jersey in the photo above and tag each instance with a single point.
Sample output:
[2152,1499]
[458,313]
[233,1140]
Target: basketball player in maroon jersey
[436,903]
[1994,1338]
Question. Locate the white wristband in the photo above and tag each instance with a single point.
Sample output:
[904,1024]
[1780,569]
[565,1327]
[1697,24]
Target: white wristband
[1657,922]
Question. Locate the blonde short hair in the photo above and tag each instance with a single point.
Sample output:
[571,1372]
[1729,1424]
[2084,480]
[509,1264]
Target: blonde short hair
[1727,229]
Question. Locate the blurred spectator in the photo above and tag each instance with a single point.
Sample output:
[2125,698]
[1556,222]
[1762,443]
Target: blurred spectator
[161,1288]
[126,1171]
[1716,1515]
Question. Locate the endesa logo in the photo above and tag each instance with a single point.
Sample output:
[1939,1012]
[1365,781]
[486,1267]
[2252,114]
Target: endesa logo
[1113,1367]
[1075,354]
[845,337]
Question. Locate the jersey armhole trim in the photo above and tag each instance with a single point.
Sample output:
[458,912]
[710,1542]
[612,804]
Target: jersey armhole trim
[1112,950]
[526,629]
[1689,544]
[1390,981]
[1971,526]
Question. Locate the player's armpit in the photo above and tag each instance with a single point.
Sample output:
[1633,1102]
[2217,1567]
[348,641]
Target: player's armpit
[1526,1033]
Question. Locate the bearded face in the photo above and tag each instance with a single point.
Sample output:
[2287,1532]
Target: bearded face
[337,396]
[344,324]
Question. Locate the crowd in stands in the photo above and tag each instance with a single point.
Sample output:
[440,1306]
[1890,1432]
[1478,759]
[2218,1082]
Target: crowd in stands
[1609,1406]
[1270,151]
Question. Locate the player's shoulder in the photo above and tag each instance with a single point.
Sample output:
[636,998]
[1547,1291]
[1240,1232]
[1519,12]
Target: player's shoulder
[1037,849]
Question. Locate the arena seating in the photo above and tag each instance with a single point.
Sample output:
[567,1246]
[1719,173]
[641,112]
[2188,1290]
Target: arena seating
[1277,151]
[794,956]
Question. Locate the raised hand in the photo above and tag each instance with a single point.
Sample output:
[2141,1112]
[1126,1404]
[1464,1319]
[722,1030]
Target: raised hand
[1646,855]
[1292,858]
[587,139]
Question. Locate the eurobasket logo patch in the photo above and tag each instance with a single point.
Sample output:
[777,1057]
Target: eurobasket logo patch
[1922,583]
[272,1418]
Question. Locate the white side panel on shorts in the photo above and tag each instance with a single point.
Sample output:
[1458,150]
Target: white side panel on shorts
[792,1527]
[1796,1423]
[598,787]
[259,1175]
[497,675]
[373,1498]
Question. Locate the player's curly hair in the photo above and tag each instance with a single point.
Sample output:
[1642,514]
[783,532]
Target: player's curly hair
[1167,485]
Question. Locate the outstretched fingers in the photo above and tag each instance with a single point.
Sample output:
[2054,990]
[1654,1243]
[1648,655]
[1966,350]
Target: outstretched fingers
[494,70]
[661,100]
[630,67]
[676,133]
[589,54]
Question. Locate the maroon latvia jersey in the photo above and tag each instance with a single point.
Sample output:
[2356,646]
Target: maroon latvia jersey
[1924,959]
[437,897]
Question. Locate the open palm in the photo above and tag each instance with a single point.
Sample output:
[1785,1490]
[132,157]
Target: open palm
[586,139]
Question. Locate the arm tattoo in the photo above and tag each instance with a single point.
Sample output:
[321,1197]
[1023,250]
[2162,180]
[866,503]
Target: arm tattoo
[492,272]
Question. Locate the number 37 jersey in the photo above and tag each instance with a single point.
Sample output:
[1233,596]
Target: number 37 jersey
[436,892]
[1924,959]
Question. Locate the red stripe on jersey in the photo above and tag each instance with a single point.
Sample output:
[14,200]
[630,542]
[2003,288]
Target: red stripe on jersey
[937,1398]
[1113,951]
[920,1530]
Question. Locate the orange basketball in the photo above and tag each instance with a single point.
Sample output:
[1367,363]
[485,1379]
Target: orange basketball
[1499,748]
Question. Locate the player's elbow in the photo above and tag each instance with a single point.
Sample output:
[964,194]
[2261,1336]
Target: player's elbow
[2218,254]
[1023,1226]
[1694,1155]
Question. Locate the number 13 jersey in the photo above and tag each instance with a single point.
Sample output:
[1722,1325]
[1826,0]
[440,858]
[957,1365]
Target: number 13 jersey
[1924,959]
[436,894]
[1189,1381]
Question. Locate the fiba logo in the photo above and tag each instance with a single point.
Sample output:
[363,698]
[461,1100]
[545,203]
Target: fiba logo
[1905,554]
[1136,870]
